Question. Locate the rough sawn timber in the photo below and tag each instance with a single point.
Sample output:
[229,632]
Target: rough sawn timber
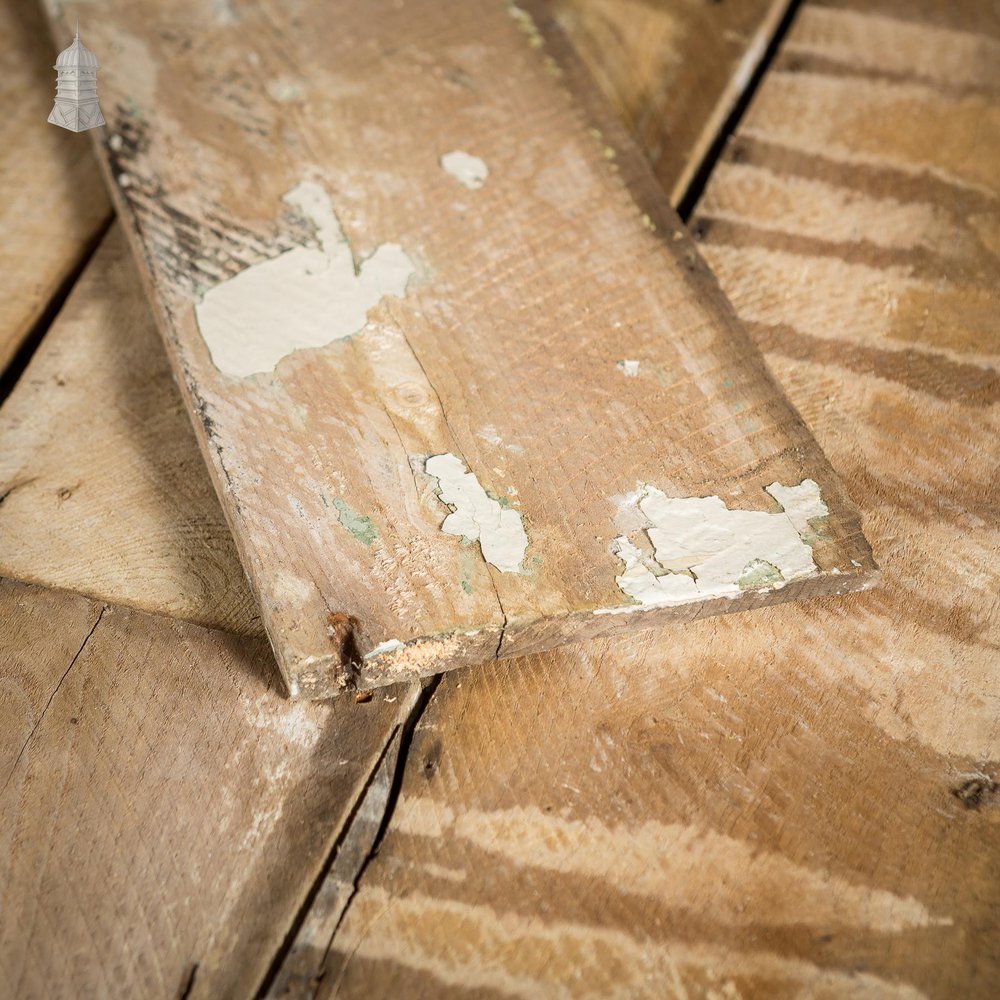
[673,71]
[103,489]
[164,809]
[52,202]
[503,350]
[802,802]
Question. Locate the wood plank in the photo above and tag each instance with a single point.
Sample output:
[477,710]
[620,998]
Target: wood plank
[171,809]
[126,514]
[320,456]
[801,803]
[52,202]
[103,489]
[35,658]
[672,71]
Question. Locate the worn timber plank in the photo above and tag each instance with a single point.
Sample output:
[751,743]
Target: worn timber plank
[126,514]
[672,70]
[103,489]
[802,802]
[52,202]
[503,349]
[169,809]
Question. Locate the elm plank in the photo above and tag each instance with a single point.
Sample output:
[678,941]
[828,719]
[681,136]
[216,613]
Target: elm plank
[104,491]
[171,809]
[52,202]
[503,350]
[126,514]
[672,71]
[802,802]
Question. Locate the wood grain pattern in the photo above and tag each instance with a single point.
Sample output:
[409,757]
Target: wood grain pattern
[802,802]
[169,809]
[509,339]
[673,71]
[125,513]
[103,489]
[52,201]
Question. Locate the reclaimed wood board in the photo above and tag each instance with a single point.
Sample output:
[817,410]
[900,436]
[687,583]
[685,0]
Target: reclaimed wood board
[673,71]
[164,809]
[53,205]
[805,803]
[102,488]
[118,505]
[437,455]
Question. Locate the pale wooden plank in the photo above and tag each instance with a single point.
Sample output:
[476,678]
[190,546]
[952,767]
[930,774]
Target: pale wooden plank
[104,491]
[171,809]
[503,350]
[52,201]
[672,71]
[126,514]
[801,803]
[41,633]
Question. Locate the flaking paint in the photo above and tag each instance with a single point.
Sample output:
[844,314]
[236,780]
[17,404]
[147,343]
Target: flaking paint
[303,298]
[467,169]
[476,516]
[702,549]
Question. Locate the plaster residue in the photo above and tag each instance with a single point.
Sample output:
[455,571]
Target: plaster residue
[287,90]
[628,367]
[389,646]
[304,298]
[701,549]
[498,529]
[465,168]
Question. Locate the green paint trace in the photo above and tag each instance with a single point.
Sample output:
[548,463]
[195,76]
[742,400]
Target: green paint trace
[818,531]
[759,573]
[361,527]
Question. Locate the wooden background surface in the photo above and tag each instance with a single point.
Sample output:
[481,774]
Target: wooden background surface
[801,802]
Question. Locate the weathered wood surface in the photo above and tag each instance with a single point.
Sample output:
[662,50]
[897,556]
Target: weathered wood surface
[164,810]
[673,71]
[124,512]
[103,489]
[801,802]
[52,201]
[503,350]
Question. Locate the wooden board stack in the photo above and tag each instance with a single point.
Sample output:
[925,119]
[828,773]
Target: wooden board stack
[407,294]
[801,801]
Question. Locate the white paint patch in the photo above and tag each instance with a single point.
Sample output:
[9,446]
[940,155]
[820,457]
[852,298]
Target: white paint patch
[223,12]
[702,549]
[286,90]
[304,298]
[499,530]
[465,168]
[389,646]
[629,368]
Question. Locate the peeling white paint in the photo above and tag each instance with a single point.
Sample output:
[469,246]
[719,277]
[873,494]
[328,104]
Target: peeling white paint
[304,298]
[389,646]
[287,90]
[223,12]
[701,549]
[800,503]
[498,529]
[629,368]
[465,168]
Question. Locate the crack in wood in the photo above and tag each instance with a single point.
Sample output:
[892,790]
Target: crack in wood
[300,965]
[41,715]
